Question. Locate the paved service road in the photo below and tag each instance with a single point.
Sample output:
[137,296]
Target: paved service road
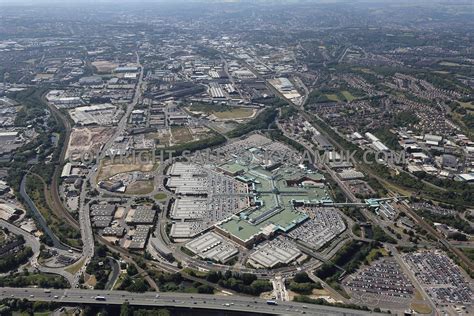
[185,300]
[34,243]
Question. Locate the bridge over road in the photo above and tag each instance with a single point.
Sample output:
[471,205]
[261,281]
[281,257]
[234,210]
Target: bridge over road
[182,300]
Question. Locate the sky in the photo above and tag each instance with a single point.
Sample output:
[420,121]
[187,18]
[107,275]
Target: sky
[33,2]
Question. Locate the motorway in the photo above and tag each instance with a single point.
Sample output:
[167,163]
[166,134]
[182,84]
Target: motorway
[180,300]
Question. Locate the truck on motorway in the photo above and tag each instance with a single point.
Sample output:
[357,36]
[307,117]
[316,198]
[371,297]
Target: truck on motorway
[272,302]
[99,298]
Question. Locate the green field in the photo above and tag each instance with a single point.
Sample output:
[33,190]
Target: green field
[160,196]
[333,97]
[451,64]
[467,105]
[348,96]
[223,112]
[343,95]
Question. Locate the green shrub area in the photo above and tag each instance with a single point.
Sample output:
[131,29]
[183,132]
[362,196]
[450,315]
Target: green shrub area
[212,141]
[12,261]
[302,284]
[174,282]
[261,121]
[16,306]
[243,283]
[138,285]
[349,258]
[277,135]
[127,310]
[405,119]
[26,279]
[453,221]
[387,138]
[209,108]
[320,301]
[380,235]
[63,231]
[32,110]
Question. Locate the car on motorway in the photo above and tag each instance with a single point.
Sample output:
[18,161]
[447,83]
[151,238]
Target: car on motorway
[99,298]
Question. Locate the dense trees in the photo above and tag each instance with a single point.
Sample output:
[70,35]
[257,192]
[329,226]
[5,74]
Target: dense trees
[242,283]
[453,221]
[261,121]
[136,284]
[321,301]
[26,279]
[349,258]
[212,141]
[380,235]
[302,284]
[12,261]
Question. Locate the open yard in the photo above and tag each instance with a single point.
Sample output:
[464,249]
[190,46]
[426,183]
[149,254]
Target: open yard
[104,67]
[140,187]
[109,168]
[161,138]
[421,308]
[235,113]
[87,140]
[181,134]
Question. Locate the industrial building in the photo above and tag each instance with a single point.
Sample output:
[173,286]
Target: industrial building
[139,237]
[211,246]
[141,215]
[103,209]
[274,253]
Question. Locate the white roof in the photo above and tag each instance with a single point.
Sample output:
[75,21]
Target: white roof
[467,176]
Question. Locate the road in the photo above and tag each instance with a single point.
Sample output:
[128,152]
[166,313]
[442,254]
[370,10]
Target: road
[351,196]
[114,274]
[39,217]
[34,243]
[409,210]
[279,289]
[409,273]
[182,300]
[84,223]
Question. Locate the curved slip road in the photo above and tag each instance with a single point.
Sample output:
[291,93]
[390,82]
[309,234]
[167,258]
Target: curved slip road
[34,243]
